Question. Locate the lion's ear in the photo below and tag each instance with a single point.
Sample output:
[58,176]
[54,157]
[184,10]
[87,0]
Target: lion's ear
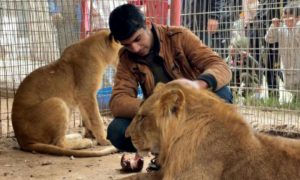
[172,102]
[110,37]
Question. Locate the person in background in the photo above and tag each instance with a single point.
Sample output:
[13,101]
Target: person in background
[287,34]
[211,21]
[244,66]
[101,10]
[154,53]
[260,19]
[65,17]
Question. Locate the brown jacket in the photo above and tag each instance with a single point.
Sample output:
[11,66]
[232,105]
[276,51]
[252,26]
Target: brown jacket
[184,55]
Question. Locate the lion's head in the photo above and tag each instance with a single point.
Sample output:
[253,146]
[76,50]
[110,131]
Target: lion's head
[199,136]
[162,115]
[100,44]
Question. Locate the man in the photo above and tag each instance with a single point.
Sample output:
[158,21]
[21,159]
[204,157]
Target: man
[156,53]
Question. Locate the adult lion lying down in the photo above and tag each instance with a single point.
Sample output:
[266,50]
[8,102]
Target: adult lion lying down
[198,136]
[42,104]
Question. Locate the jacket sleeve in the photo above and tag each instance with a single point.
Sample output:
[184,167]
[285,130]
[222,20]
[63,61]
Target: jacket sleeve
[124,101]
[205,59]
[272,35]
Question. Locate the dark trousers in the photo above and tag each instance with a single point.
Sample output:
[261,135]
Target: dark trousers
[116,129]
[272,72]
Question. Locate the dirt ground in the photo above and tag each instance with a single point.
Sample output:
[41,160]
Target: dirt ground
[19,165]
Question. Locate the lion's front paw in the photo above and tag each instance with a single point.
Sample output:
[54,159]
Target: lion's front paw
[104,142]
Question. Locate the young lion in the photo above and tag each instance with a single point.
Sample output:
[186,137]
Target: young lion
[42,104]
[198,136]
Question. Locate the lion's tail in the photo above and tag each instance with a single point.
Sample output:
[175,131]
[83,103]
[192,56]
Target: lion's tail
[56,150]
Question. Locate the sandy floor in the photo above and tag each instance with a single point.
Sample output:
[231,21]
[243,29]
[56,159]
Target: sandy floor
[16,164]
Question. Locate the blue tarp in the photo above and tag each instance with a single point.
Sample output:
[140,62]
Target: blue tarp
[104,94]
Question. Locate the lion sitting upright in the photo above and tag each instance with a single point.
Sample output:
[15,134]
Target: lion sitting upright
[198,136]
[43,102]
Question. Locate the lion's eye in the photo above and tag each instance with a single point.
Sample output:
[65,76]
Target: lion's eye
[140,121]
[142,117]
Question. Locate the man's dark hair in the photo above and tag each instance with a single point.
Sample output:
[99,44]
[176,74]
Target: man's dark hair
[125,20]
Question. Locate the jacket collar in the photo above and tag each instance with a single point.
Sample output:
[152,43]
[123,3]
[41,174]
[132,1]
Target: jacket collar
[161,34]
[164,33]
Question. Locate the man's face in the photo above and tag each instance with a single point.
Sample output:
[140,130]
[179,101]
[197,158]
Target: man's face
[140,42]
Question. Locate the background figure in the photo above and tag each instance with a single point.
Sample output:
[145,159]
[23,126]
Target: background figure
[244,67]
[265,53]
[268,10]
[66,16]
[287,34]
[101,10]
[211,20]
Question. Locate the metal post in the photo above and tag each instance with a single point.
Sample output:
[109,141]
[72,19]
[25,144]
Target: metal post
[84,19]
[175,12]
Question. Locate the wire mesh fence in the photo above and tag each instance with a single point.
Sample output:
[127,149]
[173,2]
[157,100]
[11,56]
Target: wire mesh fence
[34,33]
[264,59]
[265,70]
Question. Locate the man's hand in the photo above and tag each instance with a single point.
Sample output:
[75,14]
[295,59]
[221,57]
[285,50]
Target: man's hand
[196,84]
[212,26]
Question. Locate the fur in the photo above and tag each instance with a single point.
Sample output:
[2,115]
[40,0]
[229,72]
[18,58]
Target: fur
[43,102]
